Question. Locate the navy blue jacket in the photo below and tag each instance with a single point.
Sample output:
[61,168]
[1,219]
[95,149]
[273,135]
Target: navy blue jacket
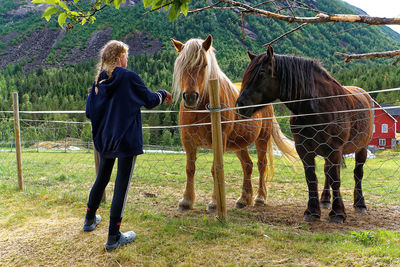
[115,112]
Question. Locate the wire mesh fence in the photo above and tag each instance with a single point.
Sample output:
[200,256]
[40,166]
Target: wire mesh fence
[58,153]
[8,170]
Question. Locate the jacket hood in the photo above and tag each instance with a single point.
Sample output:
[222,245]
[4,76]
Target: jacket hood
[108,85]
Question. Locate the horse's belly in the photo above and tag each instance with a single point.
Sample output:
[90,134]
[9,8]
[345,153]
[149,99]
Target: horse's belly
[359,139]
[243,134]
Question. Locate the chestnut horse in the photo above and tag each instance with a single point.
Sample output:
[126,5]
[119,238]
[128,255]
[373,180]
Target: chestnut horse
[331,129]
[195,65]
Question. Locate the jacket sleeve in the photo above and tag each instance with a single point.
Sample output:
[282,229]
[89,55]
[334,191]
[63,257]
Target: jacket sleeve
[150,99]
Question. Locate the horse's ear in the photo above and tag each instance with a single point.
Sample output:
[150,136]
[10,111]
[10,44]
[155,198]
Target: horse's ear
[178,45]
[270,60]
[207,42]
[270,52]
[251,55]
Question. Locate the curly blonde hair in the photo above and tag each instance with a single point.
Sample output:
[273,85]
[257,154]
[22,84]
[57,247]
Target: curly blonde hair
[109,56]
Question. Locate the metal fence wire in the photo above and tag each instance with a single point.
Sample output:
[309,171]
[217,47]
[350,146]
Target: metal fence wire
[57,151]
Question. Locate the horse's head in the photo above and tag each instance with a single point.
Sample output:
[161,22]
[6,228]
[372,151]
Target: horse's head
[259,84]
[190,70]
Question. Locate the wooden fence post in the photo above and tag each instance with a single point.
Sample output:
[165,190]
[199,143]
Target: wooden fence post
[218,150]
[17,141]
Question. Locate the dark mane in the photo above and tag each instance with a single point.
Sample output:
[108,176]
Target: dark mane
[297,76]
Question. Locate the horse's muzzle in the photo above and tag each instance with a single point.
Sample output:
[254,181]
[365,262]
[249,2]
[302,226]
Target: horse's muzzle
[243,112]
[190,100]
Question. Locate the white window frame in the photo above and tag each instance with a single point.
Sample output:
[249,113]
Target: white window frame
[384,128]
[382,142]
[373,128]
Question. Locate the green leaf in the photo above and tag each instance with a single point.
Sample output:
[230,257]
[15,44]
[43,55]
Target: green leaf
[83,21]
[117,3]
[76,1]
[157,4]
[185,8]
[39,1]
[73,14]
[49,11]
[52,2]
[63,5]
[61,19]
[147,3]
[166,7]
[173,12]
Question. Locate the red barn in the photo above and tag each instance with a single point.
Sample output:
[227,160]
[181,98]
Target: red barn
[393,110]
[384,130]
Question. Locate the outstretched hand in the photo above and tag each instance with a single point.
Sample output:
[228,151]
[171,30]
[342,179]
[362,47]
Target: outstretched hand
[168,98]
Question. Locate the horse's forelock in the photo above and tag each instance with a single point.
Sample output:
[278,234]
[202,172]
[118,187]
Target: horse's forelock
[190,58]
[253,68]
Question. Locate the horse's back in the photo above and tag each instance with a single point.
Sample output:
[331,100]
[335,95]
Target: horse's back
[360,94]
[362,119]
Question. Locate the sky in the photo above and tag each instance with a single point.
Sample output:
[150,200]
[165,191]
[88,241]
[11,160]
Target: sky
[379,8]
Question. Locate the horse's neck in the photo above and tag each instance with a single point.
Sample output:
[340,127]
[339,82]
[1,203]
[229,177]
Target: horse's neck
[227,93]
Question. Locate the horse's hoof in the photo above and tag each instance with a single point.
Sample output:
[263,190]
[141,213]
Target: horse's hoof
[184,205]
[259,202]
[336,219]
[240,205]
[361,210]
[311,218]
[325,205]
[211,209]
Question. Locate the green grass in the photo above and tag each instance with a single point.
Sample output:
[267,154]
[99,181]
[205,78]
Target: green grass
[42,224]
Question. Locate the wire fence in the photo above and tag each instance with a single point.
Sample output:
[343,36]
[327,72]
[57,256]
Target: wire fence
[57,151]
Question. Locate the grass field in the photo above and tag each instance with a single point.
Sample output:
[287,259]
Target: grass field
[41,226]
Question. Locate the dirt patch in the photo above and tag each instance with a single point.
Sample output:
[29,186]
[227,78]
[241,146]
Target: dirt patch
[284,213]
[67,143]
[290,214]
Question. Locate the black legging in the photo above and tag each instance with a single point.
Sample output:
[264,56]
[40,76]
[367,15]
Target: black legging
[124,174]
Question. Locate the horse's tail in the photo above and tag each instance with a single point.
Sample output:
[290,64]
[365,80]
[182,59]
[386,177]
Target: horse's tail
[285,145]
[270,154]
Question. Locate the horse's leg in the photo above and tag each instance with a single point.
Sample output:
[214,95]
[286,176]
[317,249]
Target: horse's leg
[325,200]
[246,199]
[262,165]
[188,196]
[359,202]
[332,171]
[313,211]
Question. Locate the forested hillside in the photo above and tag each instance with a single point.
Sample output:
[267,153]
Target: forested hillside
[52,69]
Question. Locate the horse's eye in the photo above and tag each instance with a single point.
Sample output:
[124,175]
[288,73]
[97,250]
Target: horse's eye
[261,73]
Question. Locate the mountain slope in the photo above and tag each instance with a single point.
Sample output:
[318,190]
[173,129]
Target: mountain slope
[25,36]
[29,46]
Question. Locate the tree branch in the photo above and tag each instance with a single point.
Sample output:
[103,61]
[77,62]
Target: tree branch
[205,8]
[286,33]
[349,57]
[319,18]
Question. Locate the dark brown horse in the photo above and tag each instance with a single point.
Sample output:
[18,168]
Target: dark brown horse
[331,129]
[195,65]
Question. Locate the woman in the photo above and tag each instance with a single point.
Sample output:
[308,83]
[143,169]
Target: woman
[113,106]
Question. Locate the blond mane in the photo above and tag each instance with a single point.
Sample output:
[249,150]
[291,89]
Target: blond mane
[192,56]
